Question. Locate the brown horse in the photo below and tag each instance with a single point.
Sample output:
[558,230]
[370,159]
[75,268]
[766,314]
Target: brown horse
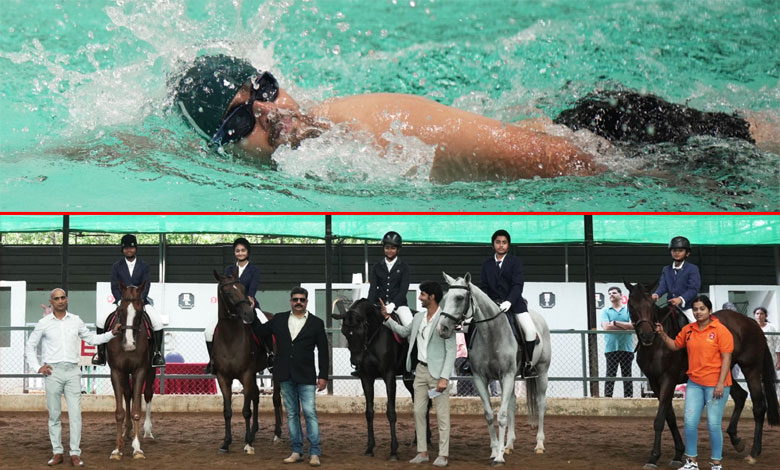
[130,359]
[237,355]
[664,369]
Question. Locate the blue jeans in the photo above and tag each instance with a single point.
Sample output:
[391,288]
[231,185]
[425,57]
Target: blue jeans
[296,397]
[696,398]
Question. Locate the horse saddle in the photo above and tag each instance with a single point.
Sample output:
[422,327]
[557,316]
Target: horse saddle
[397,319]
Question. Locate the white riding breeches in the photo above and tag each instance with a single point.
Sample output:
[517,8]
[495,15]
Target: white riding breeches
[154,317]
[404,314]
[212,326]
[526,326]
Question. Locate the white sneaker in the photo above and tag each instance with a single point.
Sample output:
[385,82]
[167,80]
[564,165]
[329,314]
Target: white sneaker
[441,461]
[690,465]
[295,457]
[716,466]
[419,459]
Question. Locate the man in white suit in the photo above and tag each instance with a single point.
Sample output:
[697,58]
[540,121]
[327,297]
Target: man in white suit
[433,358]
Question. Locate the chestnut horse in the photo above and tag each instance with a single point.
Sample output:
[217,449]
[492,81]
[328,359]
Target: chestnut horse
[664,369]
[130,358]
[237,355]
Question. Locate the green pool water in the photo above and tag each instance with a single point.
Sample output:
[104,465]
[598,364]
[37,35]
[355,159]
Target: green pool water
[87,121]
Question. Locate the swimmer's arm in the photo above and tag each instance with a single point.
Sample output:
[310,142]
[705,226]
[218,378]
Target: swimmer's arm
[489,152]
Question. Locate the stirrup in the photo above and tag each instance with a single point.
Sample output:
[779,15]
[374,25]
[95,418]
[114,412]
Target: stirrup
[98,360]
[529,371]
[158,360]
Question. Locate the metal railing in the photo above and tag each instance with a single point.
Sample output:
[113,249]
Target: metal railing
[573,371]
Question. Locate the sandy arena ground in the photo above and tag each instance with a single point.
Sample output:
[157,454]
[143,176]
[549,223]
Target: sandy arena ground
[187,441]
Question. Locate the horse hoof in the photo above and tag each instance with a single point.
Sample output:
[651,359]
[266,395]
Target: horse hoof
[539,450]
[139,454]
[277,439]
[750,459]
[392,458]
[650,466]
[496,464]
[116,455]
[739,446]
[507,451]
[676,463]
[249,450]
[222,450]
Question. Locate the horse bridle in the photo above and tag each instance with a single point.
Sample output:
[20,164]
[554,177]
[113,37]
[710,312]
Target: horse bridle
[469,306]
[130,300]
[369,339]
[652,322]
[227,304]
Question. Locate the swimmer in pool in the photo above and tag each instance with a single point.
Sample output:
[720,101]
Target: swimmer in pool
[233,105]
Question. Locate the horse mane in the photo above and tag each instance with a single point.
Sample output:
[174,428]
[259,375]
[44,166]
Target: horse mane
[480,294]
[372,315]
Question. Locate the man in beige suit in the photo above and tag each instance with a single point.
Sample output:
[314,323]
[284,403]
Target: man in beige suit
[434,358]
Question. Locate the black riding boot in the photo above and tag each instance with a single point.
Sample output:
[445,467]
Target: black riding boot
[99,359]
[209,369]
[157,359]
[529,370]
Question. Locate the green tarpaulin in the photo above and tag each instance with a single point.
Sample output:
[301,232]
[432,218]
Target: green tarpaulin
[532,229]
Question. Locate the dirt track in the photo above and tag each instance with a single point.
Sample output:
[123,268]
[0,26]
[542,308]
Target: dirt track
[190,441]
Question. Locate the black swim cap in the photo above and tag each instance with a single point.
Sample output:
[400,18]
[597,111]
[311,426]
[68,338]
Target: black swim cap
[207,87]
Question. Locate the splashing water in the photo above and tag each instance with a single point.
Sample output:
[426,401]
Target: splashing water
[85,99]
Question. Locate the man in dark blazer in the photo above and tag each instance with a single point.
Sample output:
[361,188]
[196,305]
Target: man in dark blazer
[502,280]
[297,333]
[132,272]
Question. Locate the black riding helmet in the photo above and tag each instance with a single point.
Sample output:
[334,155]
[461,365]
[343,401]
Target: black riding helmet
[392,238]
[680,242]
[129,241]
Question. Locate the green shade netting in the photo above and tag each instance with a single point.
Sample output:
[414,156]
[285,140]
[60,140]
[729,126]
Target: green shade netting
[531,229]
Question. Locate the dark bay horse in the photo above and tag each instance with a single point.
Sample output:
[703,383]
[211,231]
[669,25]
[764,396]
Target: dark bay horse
[130,358]
[494,355]
[237,356]
[373,347]
[664,369]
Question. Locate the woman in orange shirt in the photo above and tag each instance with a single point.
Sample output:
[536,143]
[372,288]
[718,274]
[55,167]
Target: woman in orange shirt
[709,344]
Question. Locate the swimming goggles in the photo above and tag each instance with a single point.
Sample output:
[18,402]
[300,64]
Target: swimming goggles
[241,120]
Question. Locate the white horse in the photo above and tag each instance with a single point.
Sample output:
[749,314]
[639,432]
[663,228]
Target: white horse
[494,355]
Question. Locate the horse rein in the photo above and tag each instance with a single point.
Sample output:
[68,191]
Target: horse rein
[652,323]
[369,340]
[469,306]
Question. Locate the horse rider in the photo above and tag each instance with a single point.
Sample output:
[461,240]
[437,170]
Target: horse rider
[132,272]
[389,281]
[502,280]
[249,276]
[681,280]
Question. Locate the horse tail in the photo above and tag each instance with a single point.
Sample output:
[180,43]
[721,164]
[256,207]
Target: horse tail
[531,404]
[769,377]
